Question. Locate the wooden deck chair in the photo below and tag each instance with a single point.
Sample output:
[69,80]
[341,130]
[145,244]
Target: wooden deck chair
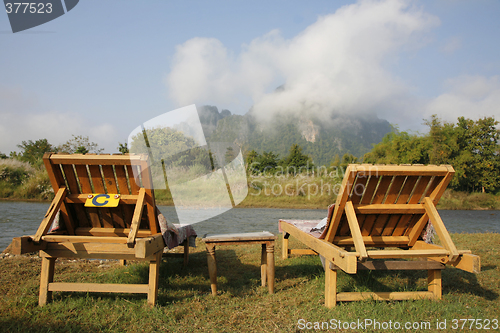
[127,231]
[379,216]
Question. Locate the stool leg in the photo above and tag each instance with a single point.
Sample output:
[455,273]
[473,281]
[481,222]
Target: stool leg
[263,265]
[270,267]
[186,252]
[434,282]
[212,268]
[284,247]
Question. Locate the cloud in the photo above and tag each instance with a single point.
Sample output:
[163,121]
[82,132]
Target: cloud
[469,96]
[451,45]
[336,65]
[26,120]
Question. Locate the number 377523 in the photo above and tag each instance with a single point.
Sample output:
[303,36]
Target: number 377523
[28,7]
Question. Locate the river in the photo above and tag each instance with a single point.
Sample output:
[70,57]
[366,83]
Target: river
[23,218]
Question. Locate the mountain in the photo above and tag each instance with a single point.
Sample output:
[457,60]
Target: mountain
[319,139]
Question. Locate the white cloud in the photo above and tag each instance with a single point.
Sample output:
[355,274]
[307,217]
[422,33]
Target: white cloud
[468,96]
[452,45]
[335,65]
[26,120]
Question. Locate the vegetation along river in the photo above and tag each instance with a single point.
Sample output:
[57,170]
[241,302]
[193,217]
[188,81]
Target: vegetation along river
[23,218]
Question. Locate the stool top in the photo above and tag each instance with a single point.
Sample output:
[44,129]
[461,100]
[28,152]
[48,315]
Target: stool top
[243,236]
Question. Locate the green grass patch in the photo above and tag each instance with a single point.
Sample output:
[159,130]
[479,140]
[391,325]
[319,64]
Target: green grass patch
[185,303]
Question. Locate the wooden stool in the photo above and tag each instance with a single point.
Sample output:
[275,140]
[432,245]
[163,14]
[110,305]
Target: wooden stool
[267,255]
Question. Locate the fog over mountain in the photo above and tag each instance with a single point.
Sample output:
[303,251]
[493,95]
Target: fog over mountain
[320,139]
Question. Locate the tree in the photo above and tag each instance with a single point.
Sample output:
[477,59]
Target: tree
[80,145]
[478,159]
[123,148]
[471,147]
[296,161]
[3,156]
[32,152]
[348,159]
[400,147]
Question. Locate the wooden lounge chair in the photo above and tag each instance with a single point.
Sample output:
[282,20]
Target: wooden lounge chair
[379,216]
[127,231]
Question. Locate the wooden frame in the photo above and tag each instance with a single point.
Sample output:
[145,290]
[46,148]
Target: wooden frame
[388,207]
[128,232]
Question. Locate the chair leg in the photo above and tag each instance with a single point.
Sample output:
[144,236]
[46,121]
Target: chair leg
[330,286]
[270,267]
[212,268]
[263,265]
[46,277]
[434,283]
[284,246]
[154,273]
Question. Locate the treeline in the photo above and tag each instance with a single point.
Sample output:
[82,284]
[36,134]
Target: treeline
[471,147]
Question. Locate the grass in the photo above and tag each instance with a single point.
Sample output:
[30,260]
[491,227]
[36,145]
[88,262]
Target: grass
[186,305]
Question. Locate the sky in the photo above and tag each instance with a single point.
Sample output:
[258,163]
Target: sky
[106,67]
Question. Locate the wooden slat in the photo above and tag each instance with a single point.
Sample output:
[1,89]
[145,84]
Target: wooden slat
[25,244]
[345,260]
[355,231]
[134,227]
[363,220]
[441,187]
[81,219]
[86,185]
[374,224]
[389,254]
[466,261]
[96,176]
[345,190]
[147,183]
[121,177]
[50,215]
[302,252]
[123,187]
[390,209]
[397,265]
[132,181]
[111,187]
[110,232]
[89,159]
[84,239]
[146,247]
[441,231]
[384,296]
[403,198]
[57,181]
[391,198]
[401,170]
[419,190]
[375,241]
[99,288]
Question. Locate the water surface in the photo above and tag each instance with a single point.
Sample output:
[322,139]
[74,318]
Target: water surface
[23,218]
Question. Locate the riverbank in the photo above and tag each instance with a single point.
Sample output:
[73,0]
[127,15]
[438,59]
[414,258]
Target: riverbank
[186,305]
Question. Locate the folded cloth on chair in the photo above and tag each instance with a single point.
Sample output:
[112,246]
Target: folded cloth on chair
[174,235]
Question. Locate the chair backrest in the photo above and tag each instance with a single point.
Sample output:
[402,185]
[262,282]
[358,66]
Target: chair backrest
[387,201]
[83,175]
